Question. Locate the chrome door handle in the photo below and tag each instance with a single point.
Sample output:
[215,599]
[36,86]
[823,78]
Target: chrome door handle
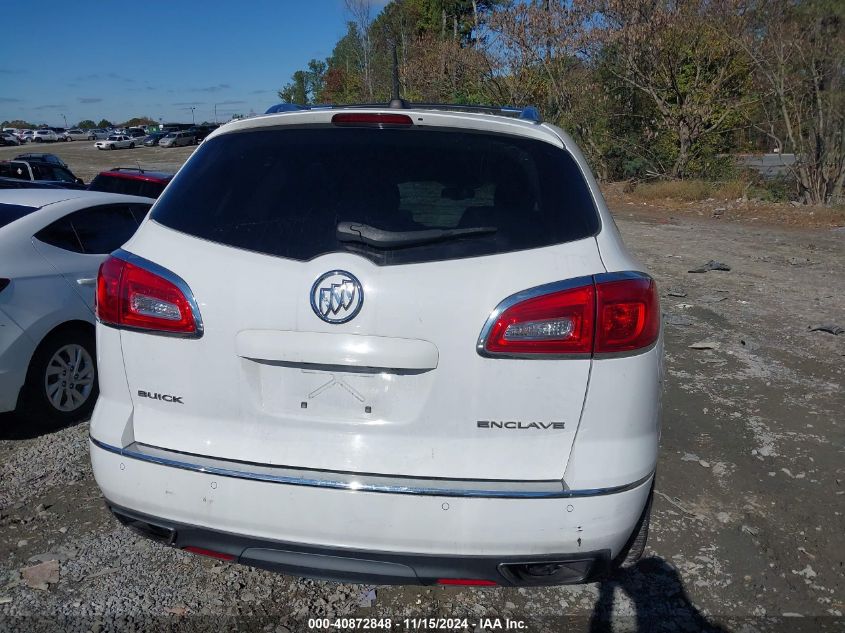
[90,281]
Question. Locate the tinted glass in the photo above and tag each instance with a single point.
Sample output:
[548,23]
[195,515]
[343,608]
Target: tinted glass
[128,186]
[11,212]
[14,170]
[104,229]
[61,234]
[283,192]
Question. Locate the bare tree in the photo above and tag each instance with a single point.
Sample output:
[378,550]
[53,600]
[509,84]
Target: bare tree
[361,12]
[676,52]
[798,54]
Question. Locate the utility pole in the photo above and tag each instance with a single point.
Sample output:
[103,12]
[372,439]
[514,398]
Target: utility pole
[65,118]
[193,120]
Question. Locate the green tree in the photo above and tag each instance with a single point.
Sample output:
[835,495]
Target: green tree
[105,123]
[138,120]
[87,124]
[19,124]
[305,86]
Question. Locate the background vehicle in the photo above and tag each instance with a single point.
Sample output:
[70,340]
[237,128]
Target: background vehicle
[76,134]
[40,172]
[417,327]
[42,158]
[7,138]
[26,136]
[43,136]
[177,139]
[131,181]
[153,139]
[136,134]
[61,134]
[97,134]
[51,243]
[200,132]
[115,141]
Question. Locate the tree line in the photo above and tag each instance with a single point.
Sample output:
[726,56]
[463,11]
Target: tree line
[85,124]
[648,88]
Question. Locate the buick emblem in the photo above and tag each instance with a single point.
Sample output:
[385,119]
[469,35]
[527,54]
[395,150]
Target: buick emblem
[337,296]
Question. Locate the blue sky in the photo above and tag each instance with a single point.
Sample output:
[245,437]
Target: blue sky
[89,59]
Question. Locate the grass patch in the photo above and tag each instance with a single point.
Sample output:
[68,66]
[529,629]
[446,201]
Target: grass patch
[683,190]
[696,190]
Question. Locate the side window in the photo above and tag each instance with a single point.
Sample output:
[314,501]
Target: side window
[61,235]
[104,229]
[140,211]
[18,170]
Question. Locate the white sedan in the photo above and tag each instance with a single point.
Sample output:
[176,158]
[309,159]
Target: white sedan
[52,242]
[116,141]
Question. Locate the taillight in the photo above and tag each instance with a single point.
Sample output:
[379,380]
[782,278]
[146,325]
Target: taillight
[628,315]
[610,313]
[378,119]
[144,296]
[554,323]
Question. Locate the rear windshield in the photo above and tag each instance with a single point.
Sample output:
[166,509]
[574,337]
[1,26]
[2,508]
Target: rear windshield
[11,212]
[128,186]
[288,192]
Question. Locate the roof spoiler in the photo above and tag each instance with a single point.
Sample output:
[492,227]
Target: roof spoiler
[528,113]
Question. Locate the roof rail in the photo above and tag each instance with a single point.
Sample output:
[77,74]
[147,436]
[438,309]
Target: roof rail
[527,113]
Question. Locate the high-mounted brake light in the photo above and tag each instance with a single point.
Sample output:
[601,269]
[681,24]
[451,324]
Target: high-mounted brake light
[611,313]
[132,296]
[378,119]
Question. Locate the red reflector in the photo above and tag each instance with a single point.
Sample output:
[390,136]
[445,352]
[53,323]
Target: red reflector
[371,118]
[556,323]
[466,582]
[628,315]
[209,553]
[133,297]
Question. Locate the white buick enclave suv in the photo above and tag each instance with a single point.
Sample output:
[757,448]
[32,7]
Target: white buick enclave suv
[392,345]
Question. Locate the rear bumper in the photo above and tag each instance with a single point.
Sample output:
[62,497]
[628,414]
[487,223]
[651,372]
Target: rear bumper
[378,537]
[368,566]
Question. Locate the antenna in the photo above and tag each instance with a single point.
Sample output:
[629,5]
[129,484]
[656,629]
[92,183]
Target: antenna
[396,101]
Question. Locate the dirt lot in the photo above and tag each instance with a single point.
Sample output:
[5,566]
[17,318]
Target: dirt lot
[748,532]
[86,161]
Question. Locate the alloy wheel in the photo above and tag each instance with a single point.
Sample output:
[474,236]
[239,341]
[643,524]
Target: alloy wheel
[69,378]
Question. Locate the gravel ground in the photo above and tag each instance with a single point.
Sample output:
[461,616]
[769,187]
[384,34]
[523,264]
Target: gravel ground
[747,533]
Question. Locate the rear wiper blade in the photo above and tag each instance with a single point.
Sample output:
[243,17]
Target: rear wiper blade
[366,234]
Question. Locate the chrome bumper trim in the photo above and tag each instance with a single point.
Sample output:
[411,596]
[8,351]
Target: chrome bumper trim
[486,488]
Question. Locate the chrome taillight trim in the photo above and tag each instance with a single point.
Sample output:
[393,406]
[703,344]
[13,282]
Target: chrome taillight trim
[176,280]
[390,484]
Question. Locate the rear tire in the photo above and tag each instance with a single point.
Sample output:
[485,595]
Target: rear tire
[111,146]
[634,548]
[61,383]
[131,145]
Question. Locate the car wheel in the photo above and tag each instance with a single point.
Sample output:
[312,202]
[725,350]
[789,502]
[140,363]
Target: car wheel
[61,384]
[635,546]
[131,145]
[111,146]
[38,140]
